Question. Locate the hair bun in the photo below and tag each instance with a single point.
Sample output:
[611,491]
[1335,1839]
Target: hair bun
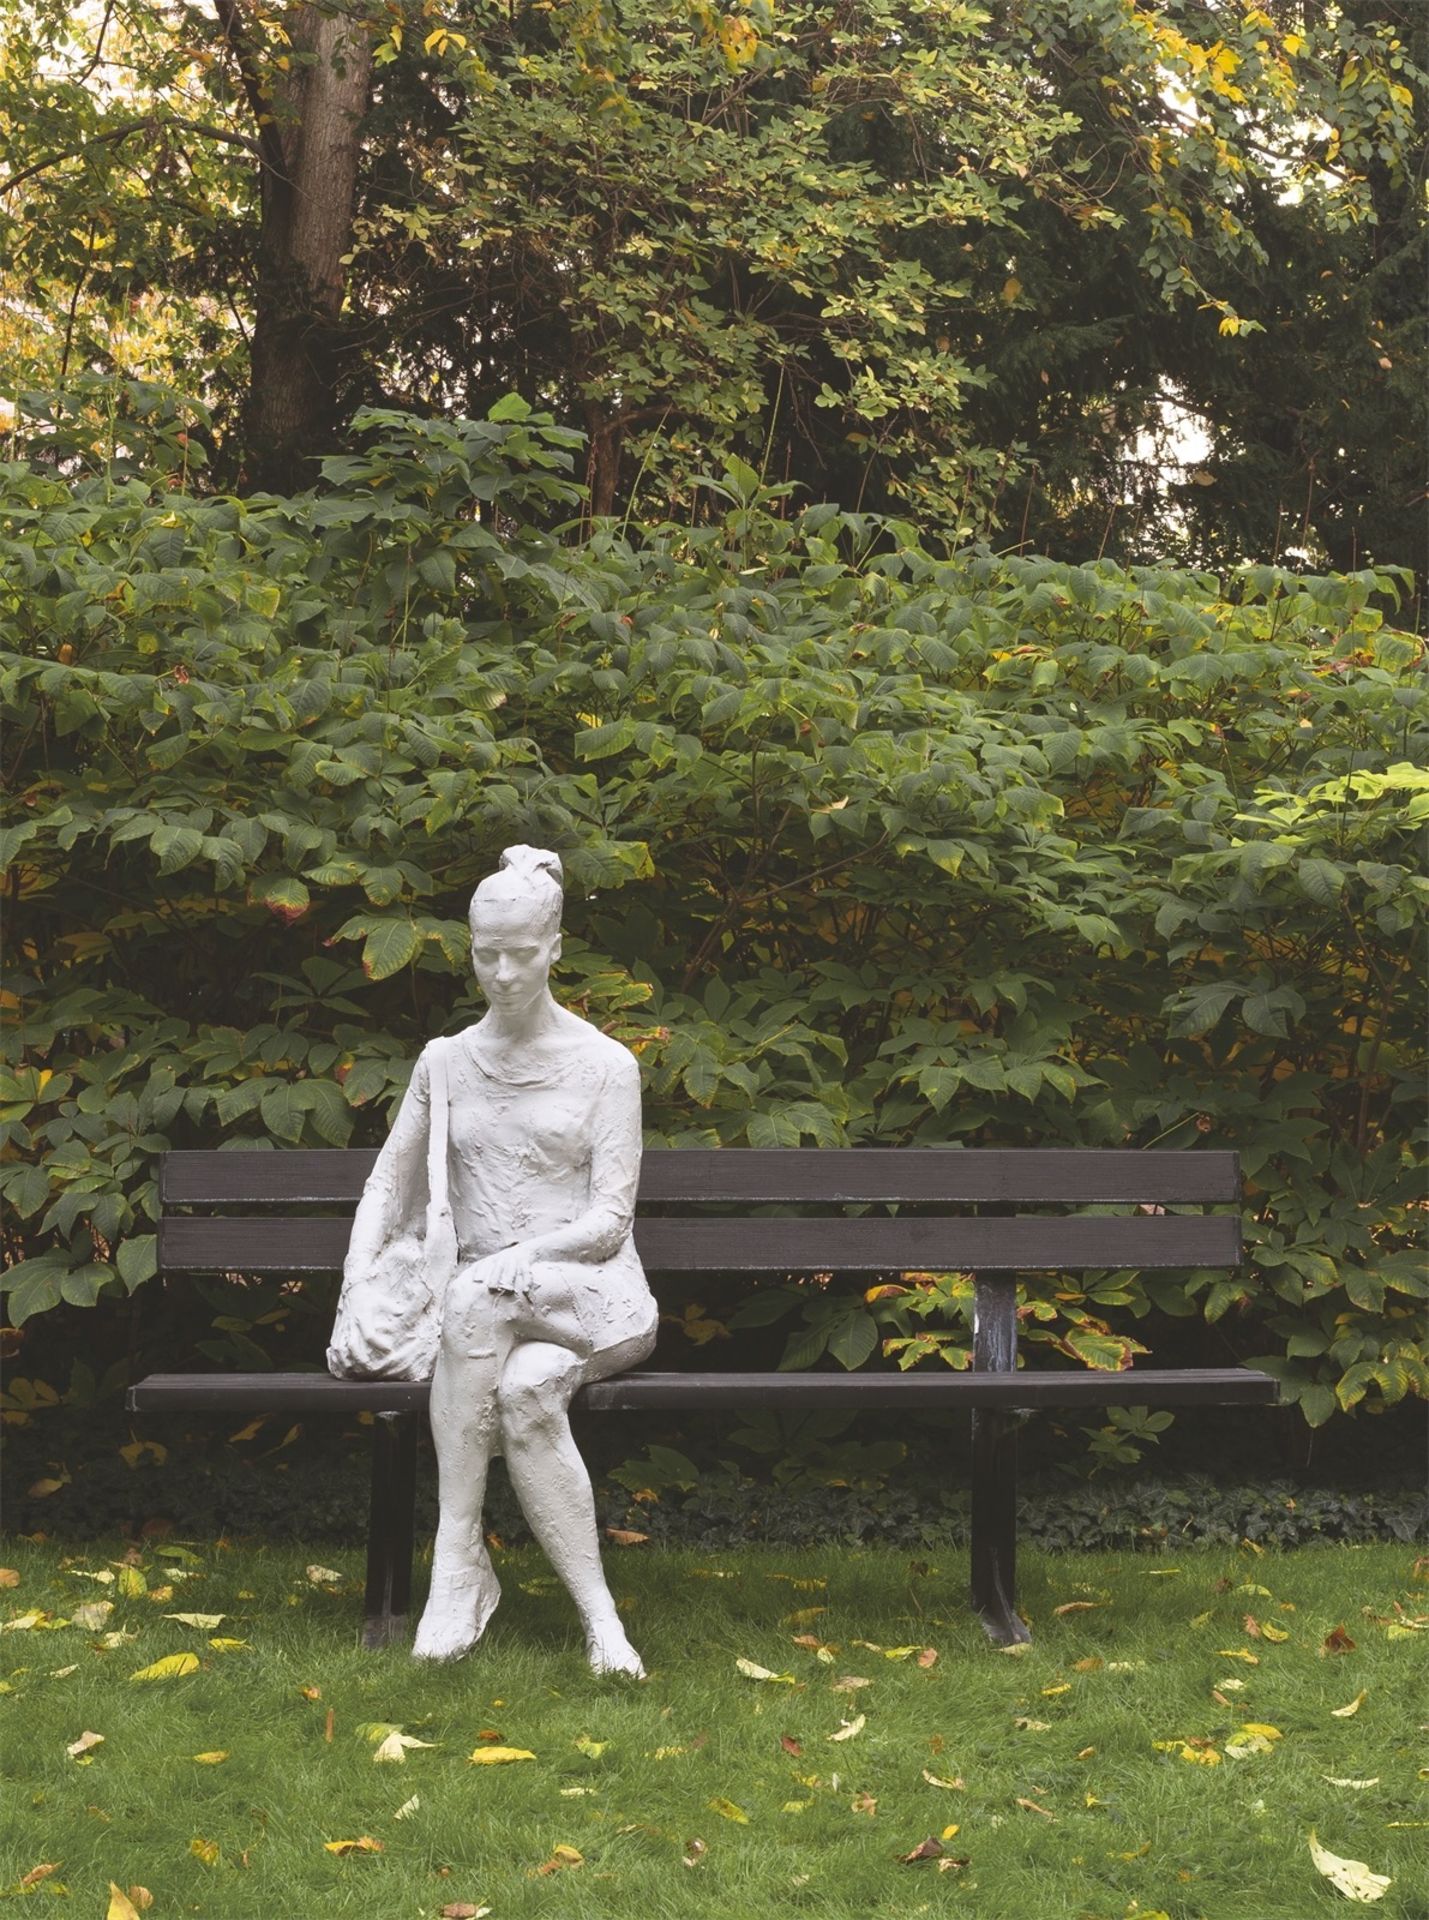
[528,862]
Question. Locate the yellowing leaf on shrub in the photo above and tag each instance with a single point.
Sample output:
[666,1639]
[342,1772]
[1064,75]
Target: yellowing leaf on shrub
[173,1666]
[205,1621]
[753,1672]
[1344,1713]
[729,1811]
[499,1756]
[363,1844]
[1352,1878]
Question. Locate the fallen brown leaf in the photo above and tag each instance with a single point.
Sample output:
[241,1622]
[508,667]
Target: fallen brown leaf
[929,1849]
[789,1743]
[462,1910]
[623,1537]
[928,1657]
[695,1851]
[1337,1641]
[1078,1606]
[864,1803]
[39,1873]
[9,1577]
[1032,1807]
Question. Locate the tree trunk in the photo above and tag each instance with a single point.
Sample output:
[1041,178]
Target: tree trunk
[605,440]
[309,179]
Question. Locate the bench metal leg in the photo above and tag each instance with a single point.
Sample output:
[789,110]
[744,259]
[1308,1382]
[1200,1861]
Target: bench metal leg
[994,1465]
[389,1528]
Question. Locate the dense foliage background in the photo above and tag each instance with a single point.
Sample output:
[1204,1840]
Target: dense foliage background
[865,840]
[1100,277]
[949,587]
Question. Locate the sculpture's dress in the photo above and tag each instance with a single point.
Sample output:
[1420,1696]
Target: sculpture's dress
[547,1149]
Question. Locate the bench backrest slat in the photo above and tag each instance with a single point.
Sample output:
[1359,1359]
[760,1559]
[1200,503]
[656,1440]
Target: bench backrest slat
[792,1175]
[777,1245]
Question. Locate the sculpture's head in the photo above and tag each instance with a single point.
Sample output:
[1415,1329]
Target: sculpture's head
[516,927]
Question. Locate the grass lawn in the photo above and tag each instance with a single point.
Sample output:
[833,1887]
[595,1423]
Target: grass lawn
[1092,1774]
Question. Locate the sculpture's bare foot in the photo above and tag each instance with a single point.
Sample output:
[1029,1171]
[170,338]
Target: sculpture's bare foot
[609,1651]
[457,1610]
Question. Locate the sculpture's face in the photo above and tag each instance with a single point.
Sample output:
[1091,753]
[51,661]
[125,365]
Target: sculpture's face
[512,953]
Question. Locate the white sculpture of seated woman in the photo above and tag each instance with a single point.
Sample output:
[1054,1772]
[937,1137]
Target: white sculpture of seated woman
[548,1291]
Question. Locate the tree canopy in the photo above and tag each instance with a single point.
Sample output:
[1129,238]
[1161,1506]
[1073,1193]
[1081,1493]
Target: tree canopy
[956,260]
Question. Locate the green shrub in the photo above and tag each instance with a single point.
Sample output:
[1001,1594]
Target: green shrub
[865,842]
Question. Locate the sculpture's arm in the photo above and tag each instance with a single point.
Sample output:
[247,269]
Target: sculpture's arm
[394,1199]
[600,1232]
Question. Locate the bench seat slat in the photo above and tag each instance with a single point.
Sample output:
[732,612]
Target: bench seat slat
[696,1392]
[910,1243]
[794,1175]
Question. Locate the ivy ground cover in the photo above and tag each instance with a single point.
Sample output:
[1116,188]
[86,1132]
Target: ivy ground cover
[1223,1735]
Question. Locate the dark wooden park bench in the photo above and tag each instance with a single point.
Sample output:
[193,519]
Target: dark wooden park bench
[252,1212]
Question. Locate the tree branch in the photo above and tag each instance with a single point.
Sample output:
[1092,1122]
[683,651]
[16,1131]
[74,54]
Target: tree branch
[260,102]
[151,124]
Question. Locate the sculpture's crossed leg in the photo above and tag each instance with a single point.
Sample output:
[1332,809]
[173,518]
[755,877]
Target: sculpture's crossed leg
[497,1391]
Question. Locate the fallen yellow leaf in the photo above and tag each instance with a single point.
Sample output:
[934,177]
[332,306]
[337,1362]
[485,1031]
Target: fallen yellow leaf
[221,1645]
[850,1729]
[394,1747]
[592,1749]
[937,1780]
[120,1907]
[363,1844]
[205,1850]
[214,1759]
[753,1672]
[1272,1632]
[1343,1713]
[172,1667]
[324,1577]
[206,1621]
[499,1756]
[729,1810]
[562,1856]
[1352,1878]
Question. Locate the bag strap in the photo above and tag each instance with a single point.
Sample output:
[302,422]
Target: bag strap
[439,1127]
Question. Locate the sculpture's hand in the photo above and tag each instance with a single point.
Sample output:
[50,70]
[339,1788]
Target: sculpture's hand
[506,1272]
